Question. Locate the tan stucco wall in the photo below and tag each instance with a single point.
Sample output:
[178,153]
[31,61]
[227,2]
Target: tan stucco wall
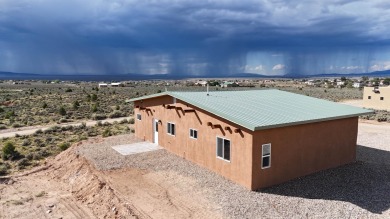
[203,150]
[375,101]
[304,149]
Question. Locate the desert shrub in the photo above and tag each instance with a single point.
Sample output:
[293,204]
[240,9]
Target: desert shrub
[117,107]
[131,120]
[98,116]
[1,110]
[123,121]
[106,133]
[63,120]
[66,128]
[9,151]
[94,97]
[26,142]
[2,126]
[132,130]
[52,129]
[16,125]
[62,111]
[4,168]
[94,108]
[64,146]
[68,90]
[39,131]
[22,163]
[116,114]
[44,105]
[9,114]
[76,105]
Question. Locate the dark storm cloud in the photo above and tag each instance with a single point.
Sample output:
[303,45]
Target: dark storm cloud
[184,36]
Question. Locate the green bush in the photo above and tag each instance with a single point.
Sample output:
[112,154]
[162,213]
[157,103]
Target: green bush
[64,146]
[4,168]
[94,97]
[107,133]
[131,120]
[9,151]
[62,111]
[76,105]
[16,125]
[94,108]
[99,116]
[116,114]
[23,163]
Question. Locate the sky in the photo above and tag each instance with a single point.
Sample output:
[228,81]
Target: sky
[270,37]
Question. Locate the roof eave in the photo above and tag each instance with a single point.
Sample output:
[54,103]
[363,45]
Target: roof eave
[311,121]
[148,97]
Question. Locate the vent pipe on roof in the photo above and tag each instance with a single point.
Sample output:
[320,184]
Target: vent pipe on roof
[207,89]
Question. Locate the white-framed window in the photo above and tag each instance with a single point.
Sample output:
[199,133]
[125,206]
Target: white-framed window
[266,156]
[194,133]
[171,128]
[382,98]
[139,116]
[223,148]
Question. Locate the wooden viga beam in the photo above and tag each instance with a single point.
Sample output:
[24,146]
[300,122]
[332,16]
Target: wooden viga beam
[237,130]
[167,106]
[189,110]
[213,126]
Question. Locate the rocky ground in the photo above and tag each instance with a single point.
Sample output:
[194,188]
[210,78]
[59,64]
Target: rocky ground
[92,180]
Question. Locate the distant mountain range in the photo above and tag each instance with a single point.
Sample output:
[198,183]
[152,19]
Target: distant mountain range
[124,77]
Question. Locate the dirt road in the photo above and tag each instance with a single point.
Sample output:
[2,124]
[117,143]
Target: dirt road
[6,133]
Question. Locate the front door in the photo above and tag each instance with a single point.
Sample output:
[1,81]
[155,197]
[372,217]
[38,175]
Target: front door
[155,131]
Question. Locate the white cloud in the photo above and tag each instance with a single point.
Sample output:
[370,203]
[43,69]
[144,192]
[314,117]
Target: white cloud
[380,66]
[278,67]
[253,69]
[353,67]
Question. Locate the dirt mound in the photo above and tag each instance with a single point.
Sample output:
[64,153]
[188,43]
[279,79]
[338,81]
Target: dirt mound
[86,185]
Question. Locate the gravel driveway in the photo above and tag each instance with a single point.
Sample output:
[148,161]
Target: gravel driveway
[358,190]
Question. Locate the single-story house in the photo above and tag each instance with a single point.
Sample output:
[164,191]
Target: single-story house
[357,85]
[257,138]
[229,84]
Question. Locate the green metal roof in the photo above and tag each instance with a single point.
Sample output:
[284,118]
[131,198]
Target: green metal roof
[264,109]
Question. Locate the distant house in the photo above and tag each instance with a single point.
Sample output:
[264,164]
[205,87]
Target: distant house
[115,84]
[111,84]
[340,83]
[201,83]
[310,82]
[229,84]
[256,138]
[377,98]
[357,85]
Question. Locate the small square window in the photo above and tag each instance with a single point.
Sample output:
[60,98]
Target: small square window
[138,116]
[382,98]
[193,133]
[369,97]
[171,128]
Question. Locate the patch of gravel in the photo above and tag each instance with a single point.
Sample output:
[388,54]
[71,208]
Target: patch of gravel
[359,190]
